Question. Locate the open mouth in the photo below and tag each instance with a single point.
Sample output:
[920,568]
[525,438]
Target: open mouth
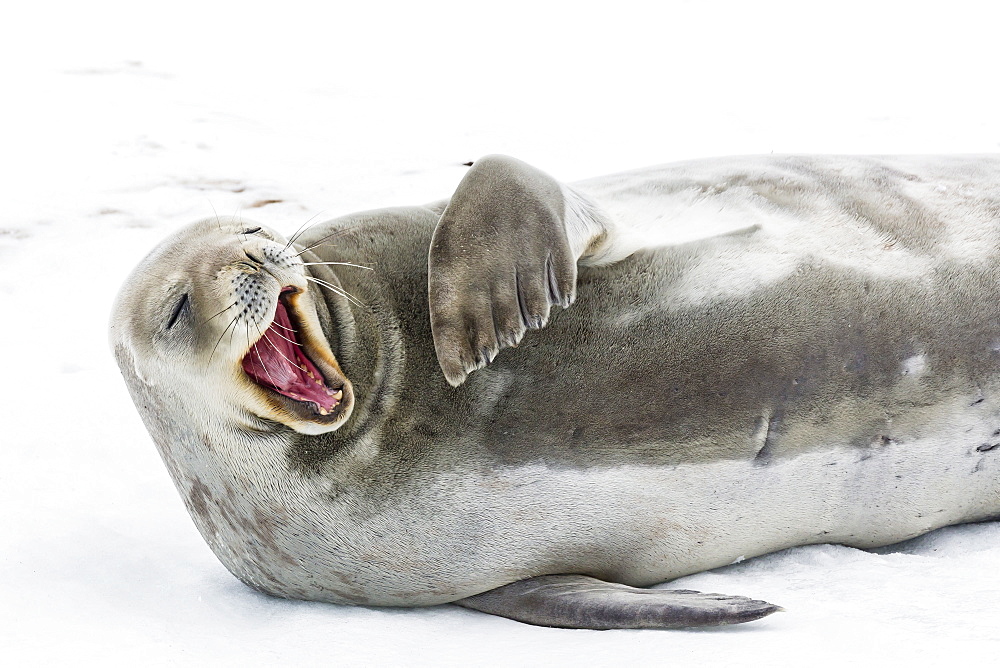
[278,362]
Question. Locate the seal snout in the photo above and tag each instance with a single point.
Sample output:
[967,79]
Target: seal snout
[279,362]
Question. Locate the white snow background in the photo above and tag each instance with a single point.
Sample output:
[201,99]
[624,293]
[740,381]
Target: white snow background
[123,121]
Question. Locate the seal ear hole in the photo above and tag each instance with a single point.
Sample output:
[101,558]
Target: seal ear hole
[177,310]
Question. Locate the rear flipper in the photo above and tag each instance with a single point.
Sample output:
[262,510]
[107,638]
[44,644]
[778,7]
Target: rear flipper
[581,602]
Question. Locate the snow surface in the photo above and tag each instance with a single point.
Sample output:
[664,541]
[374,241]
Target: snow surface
[123,121]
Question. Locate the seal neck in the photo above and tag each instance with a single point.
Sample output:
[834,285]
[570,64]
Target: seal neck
[364,336]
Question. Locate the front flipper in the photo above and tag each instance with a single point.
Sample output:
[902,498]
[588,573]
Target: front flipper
[503,253]
[581,602]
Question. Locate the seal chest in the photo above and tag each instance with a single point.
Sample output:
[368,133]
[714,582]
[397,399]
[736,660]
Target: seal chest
[631,378]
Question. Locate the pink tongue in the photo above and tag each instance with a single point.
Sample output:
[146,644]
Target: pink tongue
[277,361]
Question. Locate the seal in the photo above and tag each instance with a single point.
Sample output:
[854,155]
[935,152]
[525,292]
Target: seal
[537,399]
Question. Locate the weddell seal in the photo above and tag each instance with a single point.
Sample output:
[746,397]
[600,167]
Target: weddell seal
[644,376]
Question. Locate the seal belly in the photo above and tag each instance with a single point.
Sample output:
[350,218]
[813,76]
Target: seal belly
[824,358]
[641,524]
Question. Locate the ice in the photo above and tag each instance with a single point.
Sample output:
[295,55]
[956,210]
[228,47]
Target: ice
[123,121]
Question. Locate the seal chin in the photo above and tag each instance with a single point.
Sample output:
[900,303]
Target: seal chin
[293,366]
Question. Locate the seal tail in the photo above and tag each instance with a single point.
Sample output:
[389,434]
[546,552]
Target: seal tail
[581,602]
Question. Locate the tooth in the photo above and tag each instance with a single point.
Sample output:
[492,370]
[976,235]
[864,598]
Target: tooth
[323,411]
[338,395]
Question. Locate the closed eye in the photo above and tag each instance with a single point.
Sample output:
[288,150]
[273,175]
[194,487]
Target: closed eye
[177,310]
[252,230]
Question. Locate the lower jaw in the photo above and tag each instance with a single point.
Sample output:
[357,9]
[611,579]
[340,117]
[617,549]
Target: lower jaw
[308,412]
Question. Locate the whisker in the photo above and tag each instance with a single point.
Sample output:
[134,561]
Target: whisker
[261,359]
[320,242]
[236,216]
[231,323]
[339,291]
[294,343]
[219,313]
[264,337]
[302,228]
[217,221]
[346,264]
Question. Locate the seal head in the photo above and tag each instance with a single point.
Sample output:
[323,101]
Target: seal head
[221,314]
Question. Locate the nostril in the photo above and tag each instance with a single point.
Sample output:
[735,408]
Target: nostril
[255,259]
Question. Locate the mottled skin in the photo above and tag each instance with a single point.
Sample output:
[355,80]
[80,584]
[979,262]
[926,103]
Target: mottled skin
[762,353]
